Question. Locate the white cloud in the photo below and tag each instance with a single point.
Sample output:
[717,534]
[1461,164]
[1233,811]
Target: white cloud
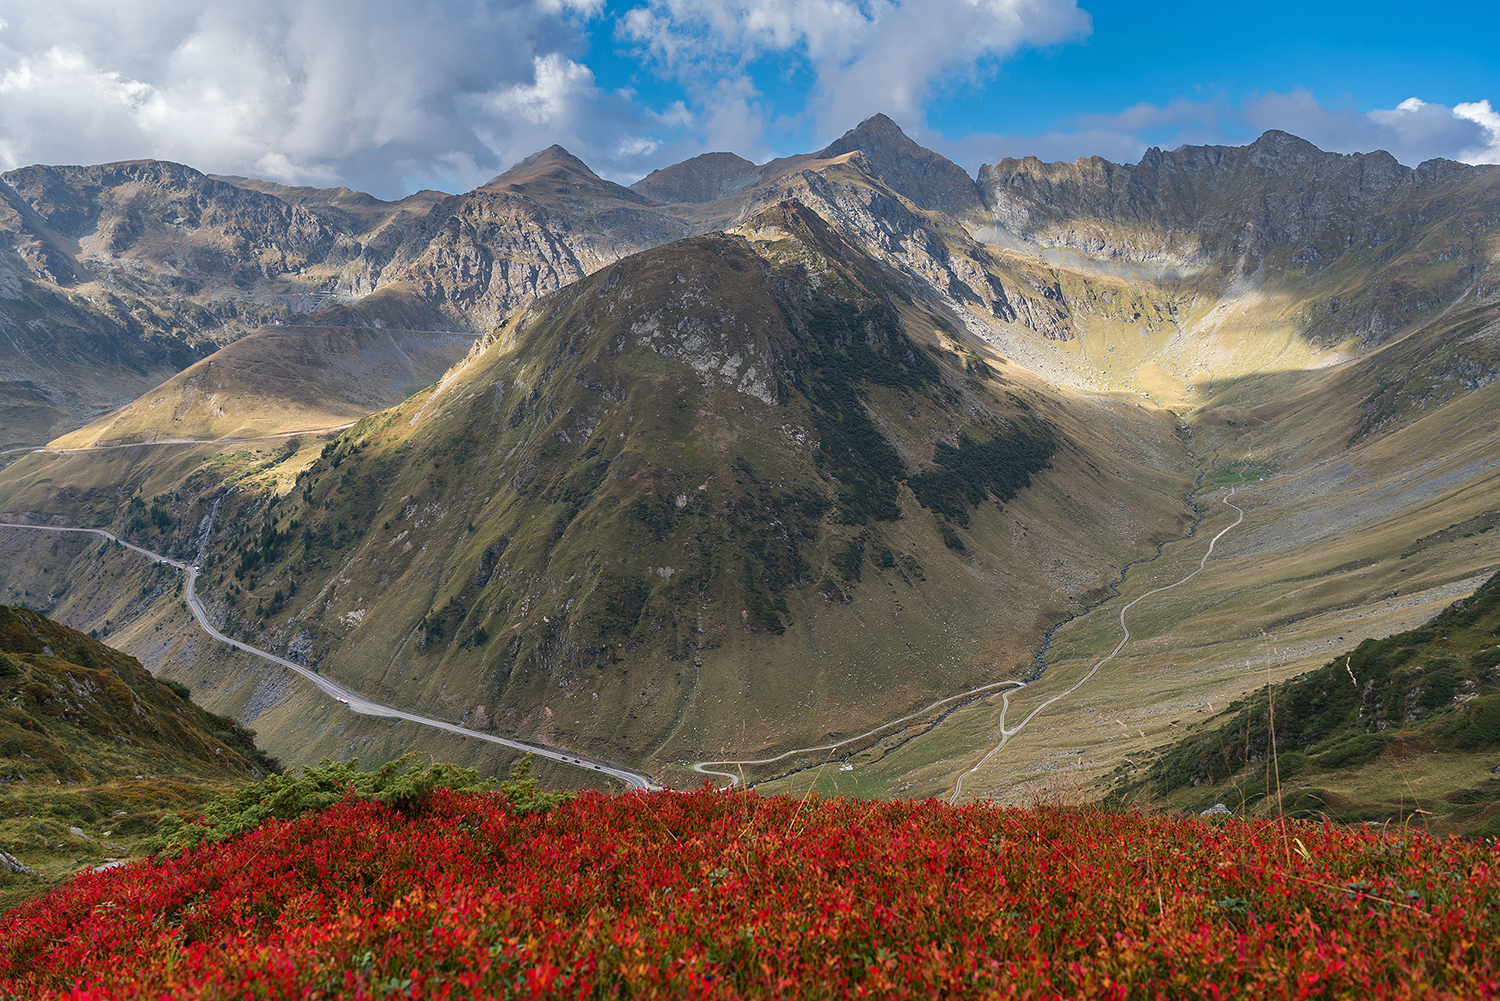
[864,56]
[390,95]
[1413,131]
[1148,116]
[558,83]
[384,95]
[1481,114]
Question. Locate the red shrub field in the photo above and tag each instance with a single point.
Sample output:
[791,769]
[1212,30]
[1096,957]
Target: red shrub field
[712,895]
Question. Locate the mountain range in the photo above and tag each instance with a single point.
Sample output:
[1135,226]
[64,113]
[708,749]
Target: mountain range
[744,459]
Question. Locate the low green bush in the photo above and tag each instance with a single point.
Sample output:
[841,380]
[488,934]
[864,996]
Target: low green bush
[402,783]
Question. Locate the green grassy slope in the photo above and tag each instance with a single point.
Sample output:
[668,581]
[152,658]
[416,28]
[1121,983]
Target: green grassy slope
[93,750]
[722,494]
[1405,728]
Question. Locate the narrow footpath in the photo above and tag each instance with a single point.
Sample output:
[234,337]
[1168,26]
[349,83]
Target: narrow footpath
[1007,733]
[702,767]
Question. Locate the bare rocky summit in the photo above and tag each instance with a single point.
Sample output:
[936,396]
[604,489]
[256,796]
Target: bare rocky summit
[704,178]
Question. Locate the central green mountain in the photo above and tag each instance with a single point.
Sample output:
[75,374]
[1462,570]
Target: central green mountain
[752,458]
[740,492]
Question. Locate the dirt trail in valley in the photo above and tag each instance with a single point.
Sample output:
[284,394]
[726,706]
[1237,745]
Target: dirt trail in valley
[1008,732]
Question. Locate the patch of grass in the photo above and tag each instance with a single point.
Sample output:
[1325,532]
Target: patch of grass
[1242,473]
[90,740]
[1432,690]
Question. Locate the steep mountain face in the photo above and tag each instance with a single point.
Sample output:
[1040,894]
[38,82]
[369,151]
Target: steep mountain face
[118,275]
[1389,245]
[175,217]
[541,225]
[115,276]
[741,488]
[704,178]
[749,458]
[1196,202]
[66,360]
[927,179]
[70,351]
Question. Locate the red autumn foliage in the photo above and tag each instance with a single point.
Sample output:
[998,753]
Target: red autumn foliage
[713,895]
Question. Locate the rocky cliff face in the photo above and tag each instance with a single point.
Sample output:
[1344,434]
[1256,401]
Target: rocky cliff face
[540,226]
[1198,202]
[123,273]
[72,347]
[1279,204]
[176,218]
[704,178]
[167,263]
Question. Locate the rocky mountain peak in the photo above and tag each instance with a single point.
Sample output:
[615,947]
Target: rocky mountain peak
[553,173]
[930,180]
[1283,148]
[704,178]
[874,133]
[1440,169]
[552,161]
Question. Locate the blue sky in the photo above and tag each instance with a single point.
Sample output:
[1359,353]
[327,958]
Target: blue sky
[392,95]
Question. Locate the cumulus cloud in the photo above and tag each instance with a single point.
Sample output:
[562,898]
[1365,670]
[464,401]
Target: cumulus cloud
[1413,131]
[384,95]
[863,56]
[1481,114]
[391,95]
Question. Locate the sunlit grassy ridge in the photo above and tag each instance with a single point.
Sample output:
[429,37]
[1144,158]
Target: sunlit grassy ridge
[93,750]
[1357,738]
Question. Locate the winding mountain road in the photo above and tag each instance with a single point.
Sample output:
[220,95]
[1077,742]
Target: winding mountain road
[1007,733]
[350,698]
[734,780]
[367,707]
[702,768]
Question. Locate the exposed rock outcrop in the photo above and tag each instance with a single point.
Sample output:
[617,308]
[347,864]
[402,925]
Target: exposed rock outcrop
[929,180]
[704,178]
